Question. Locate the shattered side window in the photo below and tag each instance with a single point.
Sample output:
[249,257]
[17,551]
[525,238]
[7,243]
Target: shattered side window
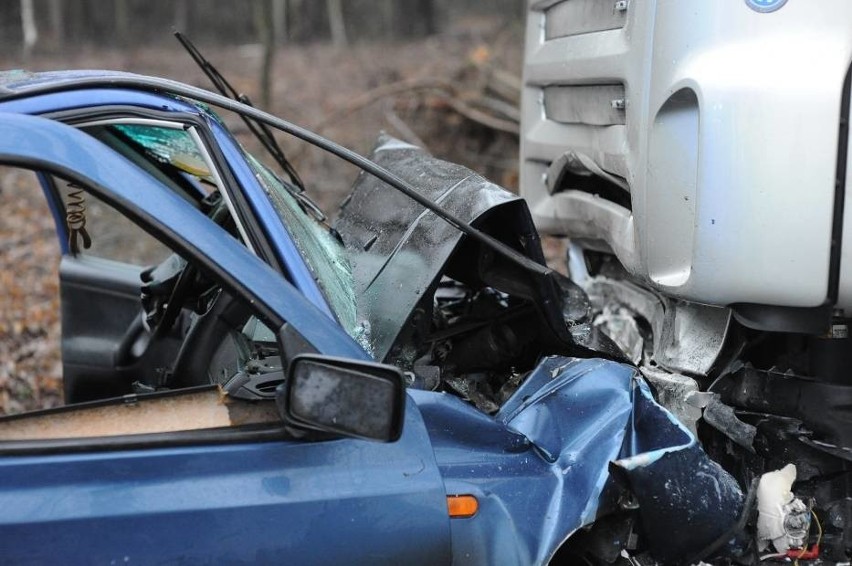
[169,154]
[171,146]
[324,254]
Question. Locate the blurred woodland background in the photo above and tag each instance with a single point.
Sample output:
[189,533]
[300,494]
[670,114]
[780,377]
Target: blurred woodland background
[443,74]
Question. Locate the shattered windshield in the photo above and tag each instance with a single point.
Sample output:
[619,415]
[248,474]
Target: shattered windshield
[323,253]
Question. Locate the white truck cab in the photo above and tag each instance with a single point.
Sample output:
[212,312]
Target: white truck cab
[703,143]
[695,153]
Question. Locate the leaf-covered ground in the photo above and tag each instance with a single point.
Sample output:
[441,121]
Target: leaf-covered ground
[30,368]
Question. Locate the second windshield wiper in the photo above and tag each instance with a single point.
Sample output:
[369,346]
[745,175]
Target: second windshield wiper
[260,130]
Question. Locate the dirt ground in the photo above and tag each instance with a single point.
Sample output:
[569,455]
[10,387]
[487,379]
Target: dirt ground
[314,86]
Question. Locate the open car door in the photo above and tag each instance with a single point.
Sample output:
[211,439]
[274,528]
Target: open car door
[108,262]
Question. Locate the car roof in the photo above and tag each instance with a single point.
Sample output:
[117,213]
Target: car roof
[18,81]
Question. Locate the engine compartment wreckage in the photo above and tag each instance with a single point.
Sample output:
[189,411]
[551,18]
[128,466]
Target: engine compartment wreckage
[269,348]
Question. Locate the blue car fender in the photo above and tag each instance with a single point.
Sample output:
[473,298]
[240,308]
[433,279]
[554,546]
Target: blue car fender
[542,465]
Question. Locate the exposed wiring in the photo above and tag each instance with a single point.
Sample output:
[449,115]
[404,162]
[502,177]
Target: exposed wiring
[819,527]
[806,553]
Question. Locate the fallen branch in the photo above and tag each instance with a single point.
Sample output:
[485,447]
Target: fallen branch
[464,104]
[480,117]
[372,96]
[376,94]
[507,110]
[403,129]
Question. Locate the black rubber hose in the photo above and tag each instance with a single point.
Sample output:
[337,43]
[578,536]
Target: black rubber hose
[737,527]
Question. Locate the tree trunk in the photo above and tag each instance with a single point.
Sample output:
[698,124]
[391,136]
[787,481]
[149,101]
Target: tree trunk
[266,35]
[336,23]
[279,20]
[388,18]
[28,27]
[57,22]
[122,21]
[427,14]
[181,17]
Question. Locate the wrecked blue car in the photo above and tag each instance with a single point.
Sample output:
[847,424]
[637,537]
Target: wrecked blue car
[406,385]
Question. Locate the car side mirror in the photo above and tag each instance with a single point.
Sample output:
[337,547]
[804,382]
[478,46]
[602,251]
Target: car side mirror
[343,396]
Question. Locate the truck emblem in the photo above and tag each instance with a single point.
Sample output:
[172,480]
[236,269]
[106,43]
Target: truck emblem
[765,6]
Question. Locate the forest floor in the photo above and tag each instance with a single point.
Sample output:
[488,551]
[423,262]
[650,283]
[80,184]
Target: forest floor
[338,91]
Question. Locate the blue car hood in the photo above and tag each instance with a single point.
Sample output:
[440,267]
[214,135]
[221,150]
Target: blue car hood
[562,451]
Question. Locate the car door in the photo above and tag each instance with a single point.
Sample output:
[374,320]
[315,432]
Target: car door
[223,495]
[103,331]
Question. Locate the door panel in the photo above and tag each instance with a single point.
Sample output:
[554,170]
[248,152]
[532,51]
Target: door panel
[102,327]
[336,502]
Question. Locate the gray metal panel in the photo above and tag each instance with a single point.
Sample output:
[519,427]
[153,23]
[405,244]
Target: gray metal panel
[599,105]
[844,299]
[575,17]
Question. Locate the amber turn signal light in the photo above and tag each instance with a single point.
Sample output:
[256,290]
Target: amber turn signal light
[462,506]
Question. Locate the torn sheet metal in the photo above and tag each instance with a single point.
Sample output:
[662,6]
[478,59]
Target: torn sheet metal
[686,500]
[588,426]
[688,337]
[399,250]
[178,411]
[677,393]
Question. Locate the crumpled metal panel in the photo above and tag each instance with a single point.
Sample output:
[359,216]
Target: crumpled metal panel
[398,249]
[573,428]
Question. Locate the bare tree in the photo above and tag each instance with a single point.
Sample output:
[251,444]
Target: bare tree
[279,20]
[122,21]
[57,22]
[181,17]
[28,26]
[335,20]
[266,33]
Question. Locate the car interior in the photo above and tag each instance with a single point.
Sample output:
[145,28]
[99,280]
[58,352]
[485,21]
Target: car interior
[137,317]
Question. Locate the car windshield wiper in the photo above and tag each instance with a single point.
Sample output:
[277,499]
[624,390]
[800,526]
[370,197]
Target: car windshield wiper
[260,130]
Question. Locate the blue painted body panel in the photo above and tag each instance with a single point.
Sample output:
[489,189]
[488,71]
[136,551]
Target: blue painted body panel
[276,232]
[273,502]
[336,502]
[56,211]
[539,468]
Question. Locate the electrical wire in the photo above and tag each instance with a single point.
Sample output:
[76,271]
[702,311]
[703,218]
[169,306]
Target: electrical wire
[812,552]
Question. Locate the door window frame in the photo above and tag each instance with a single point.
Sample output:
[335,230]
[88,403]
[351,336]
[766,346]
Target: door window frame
[102,172]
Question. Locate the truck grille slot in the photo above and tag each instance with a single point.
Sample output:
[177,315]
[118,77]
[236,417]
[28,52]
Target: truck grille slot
[576,17]
[594,105]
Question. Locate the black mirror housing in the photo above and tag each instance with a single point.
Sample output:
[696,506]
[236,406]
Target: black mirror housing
[343,396]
